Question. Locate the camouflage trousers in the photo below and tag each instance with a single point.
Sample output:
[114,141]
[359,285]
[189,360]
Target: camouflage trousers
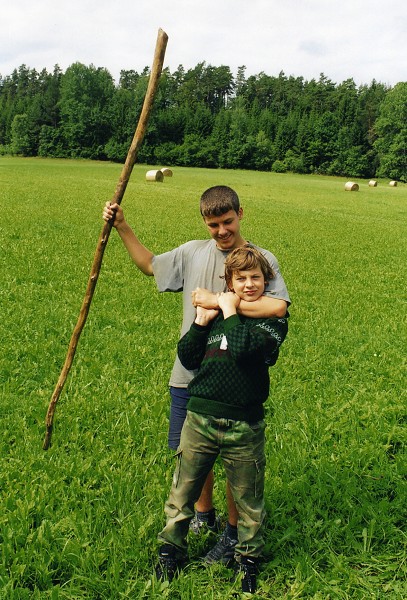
[241,448]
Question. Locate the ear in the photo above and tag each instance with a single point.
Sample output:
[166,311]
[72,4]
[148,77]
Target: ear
[240,213]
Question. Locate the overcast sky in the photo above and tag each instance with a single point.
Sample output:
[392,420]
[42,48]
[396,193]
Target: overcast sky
[359,39]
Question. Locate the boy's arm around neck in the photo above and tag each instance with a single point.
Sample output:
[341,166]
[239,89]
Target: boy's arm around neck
[265,306]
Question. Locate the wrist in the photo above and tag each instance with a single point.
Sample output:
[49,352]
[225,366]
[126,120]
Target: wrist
[202,321]
[122,227]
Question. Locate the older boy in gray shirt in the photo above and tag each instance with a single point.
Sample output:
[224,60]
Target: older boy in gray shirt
[196,268]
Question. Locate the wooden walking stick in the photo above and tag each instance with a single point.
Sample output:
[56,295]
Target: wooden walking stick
[156,69]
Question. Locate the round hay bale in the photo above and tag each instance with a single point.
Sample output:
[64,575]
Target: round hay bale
[154,175]
[166,172]
[393,183]
[350,186]
[372,183]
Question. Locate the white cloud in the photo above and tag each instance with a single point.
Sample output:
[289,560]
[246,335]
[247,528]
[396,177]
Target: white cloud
[363,39]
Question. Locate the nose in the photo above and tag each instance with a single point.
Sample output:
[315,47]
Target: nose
[249,282]
[222,229]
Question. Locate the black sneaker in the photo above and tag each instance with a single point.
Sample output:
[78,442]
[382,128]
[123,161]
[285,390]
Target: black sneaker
[169,563]
[200,523]
[248,569]
[223,551]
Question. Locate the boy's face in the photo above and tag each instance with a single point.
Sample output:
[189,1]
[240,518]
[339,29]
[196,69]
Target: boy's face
[225,230]
[248,285]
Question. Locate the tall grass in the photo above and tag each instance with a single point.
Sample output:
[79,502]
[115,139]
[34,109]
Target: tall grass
[80,521]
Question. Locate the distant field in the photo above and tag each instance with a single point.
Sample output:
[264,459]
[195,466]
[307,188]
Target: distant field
[80,520]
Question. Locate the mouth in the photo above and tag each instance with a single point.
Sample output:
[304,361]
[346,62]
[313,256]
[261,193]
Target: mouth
[222,241]
[250,296]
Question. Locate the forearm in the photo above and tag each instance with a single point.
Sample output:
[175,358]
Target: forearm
[253,341]
[202,320]
[265,306]
[191,347]
[140,255]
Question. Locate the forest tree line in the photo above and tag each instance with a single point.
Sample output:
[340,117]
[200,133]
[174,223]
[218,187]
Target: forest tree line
[207,117]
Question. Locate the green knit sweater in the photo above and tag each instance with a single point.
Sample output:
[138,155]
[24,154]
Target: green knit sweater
[232,357]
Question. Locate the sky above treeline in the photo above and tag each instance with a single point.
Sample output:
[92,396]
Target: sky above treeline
[359,39]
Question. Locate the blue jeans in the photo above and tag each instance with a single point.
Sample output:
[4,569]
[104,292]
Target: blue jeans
[241,448]
[178,412]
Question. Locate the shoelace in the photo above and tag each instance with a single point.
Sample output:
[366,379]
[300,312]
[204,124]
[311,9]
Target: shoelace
[248,568]
[168,561]
[249,572]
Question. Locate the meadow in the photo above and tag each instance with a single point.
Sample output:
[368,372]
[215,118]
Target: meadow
[79,521]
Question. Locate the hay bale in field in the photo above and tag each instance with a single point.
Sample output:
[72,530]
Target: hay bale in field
[393,183]
[350,186]
[372,183]
[154,175]
[166,172]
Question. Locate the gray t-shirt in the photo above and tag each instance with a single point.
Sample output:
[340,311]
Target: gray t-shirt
[200,263]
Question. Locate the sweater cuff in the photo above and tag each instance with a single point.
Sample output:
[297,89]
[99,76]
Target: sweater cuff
[231,322]
[199,330]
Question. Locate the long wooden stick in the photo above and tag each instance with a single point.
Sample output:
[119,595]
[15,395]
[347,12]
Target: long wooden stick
[156,69]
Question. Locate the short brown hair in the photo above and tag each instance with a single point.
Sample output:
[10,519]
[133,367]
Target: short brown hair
[246,258]
[218,200]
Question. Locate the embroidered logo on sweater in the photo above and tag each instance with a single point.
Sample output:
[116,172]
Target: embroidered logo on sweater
[215,338]
[271,331]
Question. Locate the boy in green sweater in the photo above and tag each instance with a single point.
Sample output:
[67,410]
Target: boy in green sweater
[225,413]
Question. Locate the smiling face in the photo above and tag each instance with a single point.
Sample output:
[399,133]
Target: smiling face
[225,229]
[248,285]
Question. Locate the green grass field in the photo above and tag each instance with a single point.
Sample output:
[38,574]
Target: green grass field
[80,520]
